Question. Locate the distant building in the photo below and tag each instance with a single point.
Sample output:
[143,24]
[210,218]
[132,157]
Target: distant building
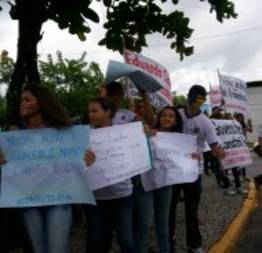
[254,95]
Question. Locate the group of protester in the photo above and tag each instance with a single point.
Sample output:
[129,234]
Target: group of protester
[212,163]
[125,209]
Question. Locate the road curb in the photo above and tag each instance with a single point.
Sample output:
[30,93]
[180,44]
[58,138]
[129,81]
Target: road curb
[228,240]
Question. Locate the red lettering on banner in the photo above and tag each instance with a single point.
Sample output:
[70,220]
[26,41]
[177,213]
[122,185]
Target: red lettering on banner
[154,69]
[151,68]
[237,152]
[236,160]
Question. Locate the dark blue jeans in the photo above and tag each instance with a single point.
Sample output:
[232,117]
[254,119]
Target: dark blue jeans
[143,216]
[105,218]
[192,193]
[162,201]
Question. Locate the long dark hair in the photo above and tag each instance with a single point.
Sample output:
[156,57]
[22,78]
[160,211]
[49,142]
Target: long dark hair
[52,111]
[105,103]
[178,127]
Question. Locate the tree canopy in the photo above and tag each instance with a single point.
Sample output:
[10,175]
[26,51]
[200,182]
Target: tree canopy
[75,81]
[128,22]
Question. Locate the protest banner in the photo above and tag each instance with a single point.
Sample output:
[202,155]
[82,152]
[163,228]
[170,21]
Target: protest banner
[234,93]
[121,153]
[138,76]
[215,95]
[233,141]
[172,161]
[44,167]
[162,97]
[132,91]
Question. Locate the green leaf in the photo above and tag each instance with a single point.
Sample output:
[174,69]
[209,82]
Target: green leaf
[188,51]
[81,36]
[107,3]
[13,12]
[63,24]
[102,42]
[90,14]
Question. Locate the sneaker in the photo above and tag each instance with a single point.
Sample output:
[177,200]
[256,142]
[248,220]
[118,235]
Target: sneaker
[197,250]
[242,191]
[231,192]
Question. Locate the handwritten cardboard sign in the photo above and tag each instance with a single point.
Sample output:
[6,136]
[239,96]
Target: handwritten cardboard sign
[233,141]
[234,93]
[44,167]
[162,97]
[138,76]
[172,161]
[215,95]
[121,153]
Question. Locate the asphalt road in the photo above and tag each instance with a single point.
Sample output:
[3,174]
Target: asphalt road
[251,239]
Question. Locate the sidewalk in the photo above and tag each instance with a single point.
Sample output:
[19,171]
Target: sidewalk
[240,226]
[250,241]
[216,211]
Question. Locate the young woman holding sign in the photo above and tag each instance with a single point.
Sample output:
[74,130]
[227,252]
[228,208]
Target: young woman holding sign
[49,226]
[168,120]
[114,203]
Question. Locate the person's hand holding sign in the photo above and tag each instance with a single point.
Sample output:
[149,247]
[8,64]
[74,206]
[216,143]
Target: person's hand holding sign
[2,158]
[89,157]
[218,152]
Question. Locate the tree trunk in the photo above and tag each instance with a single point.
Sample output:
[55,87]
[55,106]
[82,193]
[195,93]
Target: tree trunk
[26,70]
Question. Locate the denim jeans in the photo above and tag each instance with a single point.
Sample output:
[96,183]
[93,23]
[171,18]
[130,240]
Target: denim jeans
[143,216]
[162,201]
[49,227]
[105,218]
[191,198]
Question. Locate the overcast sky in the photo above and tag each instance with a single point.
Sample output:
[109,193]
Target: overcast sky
[233,47]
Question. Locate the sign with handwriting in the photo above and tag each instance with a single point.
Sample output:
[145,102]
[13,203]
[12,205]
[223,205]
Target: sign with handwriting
[232,138]
[172,160]
[44,167]
[234,93]
[121,153]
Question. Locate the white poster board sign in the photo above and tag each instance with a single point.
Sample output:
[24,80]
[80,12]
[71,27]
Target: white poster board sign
[121,153]
[233,141]
[234,93]
[172,161]
[162,97]
[215,95]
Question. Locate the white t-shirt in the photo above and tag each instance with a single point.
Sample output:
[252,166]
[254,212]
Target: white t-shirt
[123,116]
[125,188]
[201,126]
